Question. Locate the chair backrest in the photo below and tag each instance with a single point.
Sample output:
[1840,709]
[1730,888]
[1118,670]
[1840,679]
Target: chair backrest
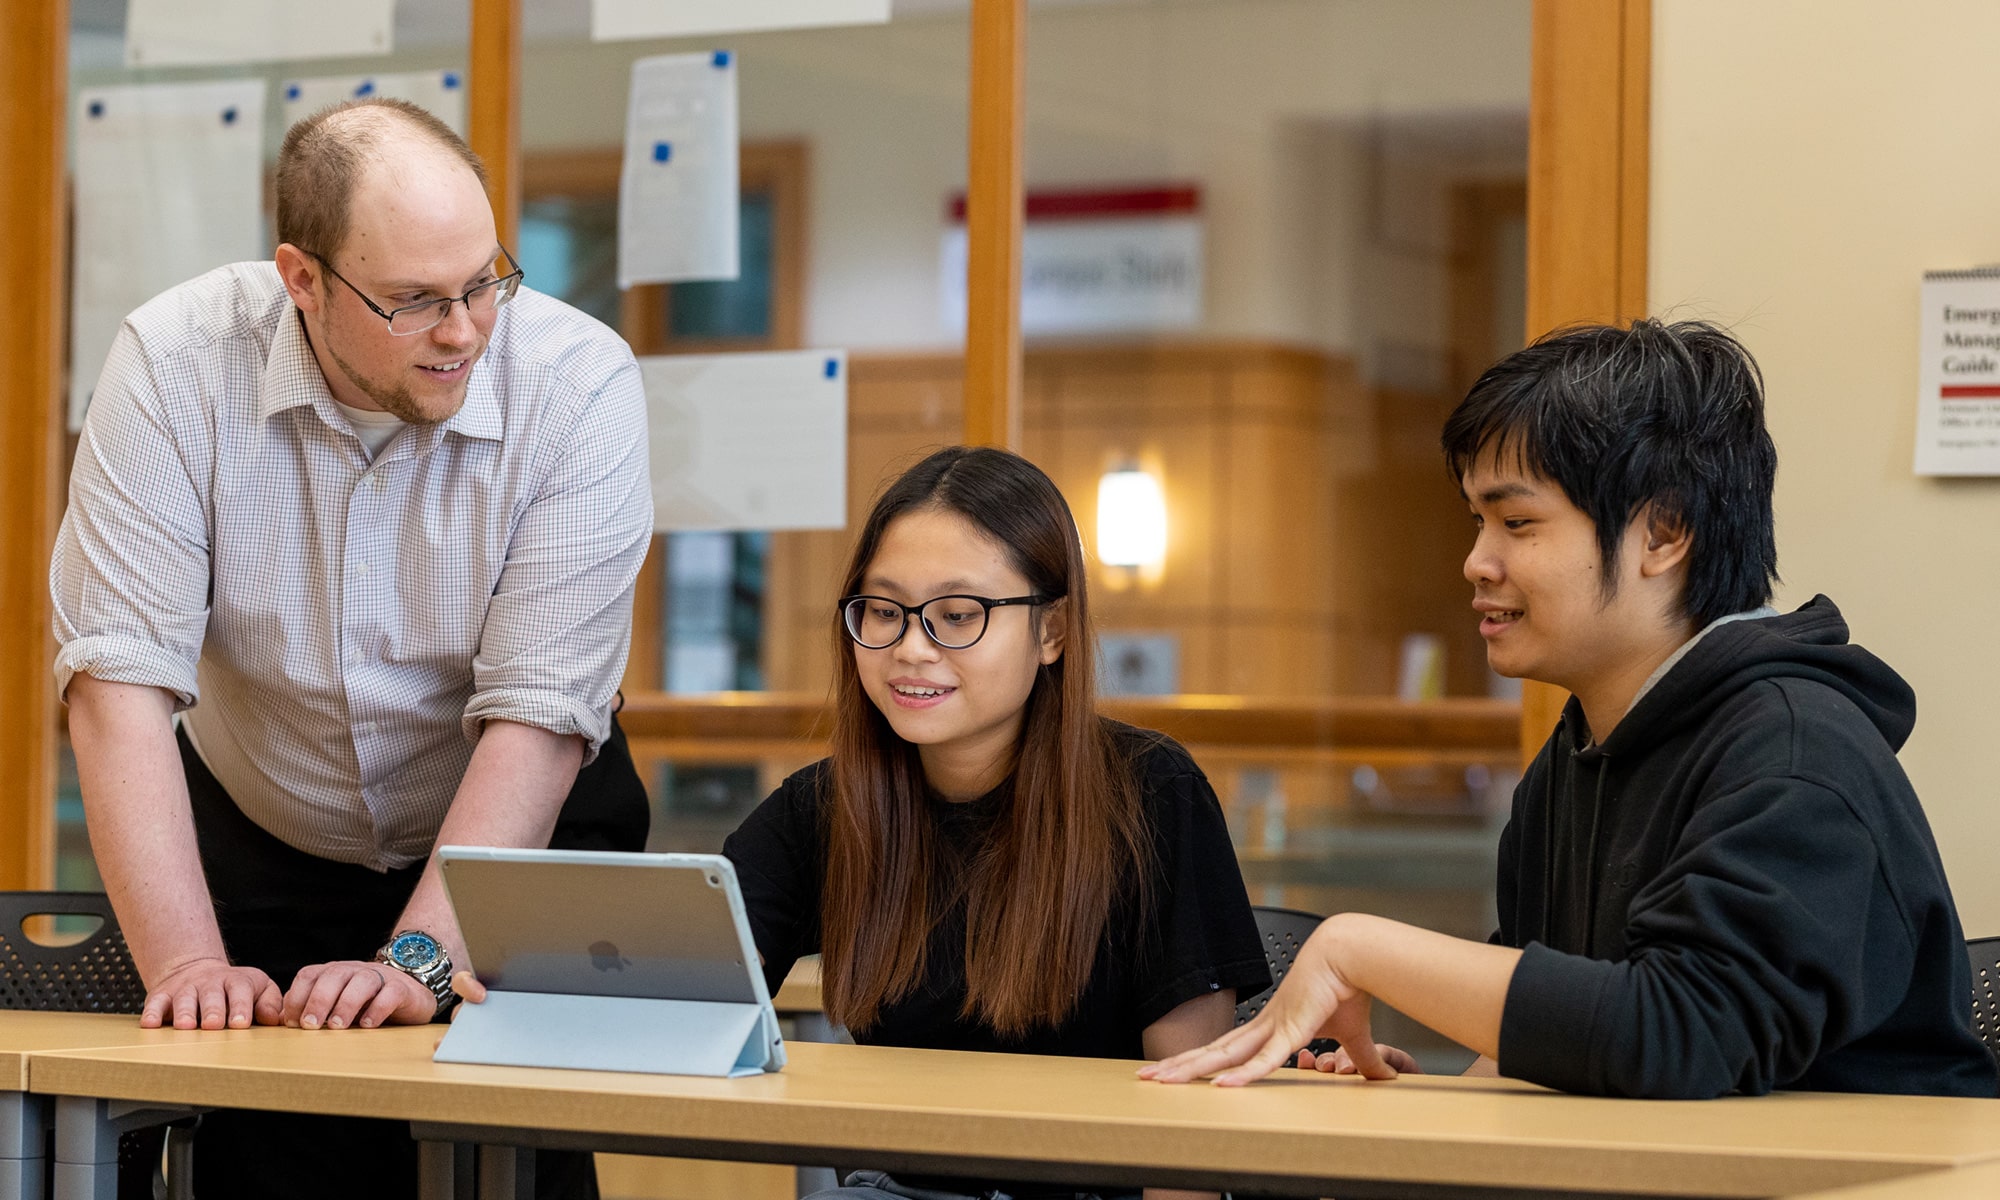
[95,974]
[1985,956]
[1284,931]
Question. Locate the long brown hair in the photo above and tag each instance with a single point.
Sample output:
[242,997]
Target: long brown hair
[1072,841]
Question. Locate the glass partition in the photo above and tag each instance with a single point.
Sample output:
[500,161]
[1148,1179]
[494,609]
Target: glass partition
[1268,245]
[852,140]
[1269,242]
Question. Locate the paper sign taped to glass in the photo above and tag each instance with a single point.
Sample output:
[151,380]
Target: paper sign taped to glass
[169,184]
[181,33]
[613,20]
[677,190]
[440,93]
[748,441]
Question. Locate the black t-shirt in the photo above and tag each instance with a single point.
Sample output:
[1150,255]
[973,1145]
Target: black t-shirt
[1197,937]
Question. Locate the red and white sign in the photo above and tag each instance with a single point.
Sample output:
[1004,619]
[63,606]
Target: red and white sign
[1097,261]
[1958,373]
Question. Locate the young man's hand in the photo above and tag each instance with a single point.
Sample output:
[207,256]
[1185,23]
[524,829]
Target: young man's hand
[1340,1062]
[1316,999]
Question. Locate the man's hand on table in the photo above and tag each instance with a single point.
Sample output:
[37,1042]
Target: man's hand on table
[208,993]
[338,995]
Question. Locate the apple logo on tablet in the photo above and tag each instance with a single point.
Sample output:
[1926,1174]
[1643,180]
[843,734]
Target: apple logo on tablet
[605,957]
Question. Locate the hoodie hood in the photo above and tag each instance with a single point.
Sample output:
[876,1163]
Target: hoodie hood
[1810,644]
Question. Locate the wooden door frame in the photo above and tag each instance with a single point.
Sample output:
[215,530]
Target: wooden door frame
[34,90]
[1589,143]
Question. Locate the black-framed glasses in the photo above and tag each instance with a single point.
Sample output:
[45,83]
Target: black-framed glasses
[953,622]
[413,319]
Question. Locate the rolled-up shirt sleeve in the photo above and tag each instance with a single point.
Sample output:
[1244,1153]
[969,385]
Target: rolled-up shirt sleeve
[559,627]
[130,574]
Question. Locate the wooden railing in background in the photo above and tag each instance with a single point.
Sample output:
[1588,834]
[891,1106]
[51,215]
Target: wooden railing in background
[495,117]
[993,221]
[696,723]
[1295,763]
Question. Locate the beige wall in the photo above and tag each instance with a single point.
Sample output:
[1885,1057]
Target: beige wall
[1811,158]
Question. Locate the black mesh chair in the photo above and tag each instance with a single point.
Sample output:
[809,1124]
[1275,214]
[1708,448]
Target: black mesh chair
[1284,931]
[1985,956]
[93,974]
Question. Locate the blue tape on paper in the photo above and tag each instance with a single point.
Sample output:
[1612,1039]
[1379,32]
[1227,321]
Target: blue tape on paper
[229,116]
[833,368]
[292,91]
[97,108]
[662,151]
[721,58]
[450,80]
[367,88]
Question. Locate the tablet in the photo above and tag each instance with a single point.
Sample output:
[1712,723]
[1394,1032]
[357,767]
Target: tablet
[605,960]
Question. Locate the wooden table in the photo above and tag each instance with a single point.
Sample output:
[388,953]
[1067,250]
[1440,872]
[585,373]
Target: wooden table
[1023,1117]
[1980,1182]
[23,1117]
[798,997]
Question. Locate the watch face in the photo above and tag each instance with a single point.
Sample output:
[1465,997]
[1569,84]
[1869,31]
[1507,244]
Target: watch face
[415,951]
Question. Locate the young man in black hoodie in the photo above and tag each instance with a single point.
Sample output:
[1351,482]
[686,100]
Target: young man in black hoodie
[1716,877]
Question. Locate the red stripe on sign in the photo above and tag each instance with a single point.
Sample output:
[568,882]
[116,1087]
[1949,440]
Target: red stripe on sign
[1118,202]
[1968,391]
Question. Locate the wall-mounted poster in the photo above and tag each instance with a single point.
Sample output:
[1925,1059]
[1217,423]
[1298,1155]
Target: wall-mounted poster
[1106,260]
[1958,373]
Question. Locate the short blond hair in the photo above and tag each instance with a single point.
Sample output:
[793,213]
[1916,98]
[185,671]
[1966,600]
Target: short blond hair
[323,157]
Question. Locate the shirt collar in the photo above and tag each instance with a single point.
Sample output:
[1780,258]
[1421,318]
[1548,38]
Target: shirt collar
[479,416]
[292,377]
[291,374]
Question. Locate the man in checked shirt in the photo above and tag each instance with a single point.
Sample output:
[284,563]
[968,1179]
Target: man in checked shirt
[379,510]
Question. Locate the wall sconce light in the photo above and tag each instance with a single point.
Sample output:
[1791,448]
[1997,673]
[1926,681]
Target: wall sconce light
[1131,519]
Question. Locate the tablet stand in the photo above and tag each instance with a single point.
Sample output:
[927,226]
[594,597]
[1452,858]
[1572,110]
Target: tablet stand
[615,1033]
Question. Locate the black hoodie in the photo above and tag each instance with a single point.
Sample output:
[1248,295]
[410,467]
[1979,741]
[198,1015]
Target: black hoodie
[1737,890]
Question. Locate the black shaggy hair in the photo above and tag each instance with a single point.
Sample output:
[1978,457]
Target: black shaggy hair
[1669,416]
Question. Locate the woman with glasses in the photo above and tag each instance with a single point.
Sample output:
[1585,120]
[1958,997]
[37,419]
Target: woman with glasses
[984,863]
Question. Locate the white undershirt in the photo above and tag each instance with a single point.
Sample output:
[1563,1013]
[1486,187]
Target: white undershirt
[373,428]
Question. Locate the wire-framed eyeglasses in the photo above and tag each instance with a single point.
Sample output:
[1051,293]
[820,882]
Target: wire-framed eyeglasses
[952,622]
[412,319]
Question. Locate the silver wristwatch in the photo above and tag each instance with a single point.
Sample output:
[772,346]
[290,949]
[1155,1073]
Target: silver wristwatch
[421,957]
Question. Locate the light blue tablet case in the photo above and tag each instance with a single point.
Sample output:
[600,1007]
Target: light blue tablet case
[608,962]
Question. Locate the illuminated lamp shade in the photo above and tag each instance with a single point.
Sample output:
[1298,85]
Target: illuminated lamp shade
[1131,519]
